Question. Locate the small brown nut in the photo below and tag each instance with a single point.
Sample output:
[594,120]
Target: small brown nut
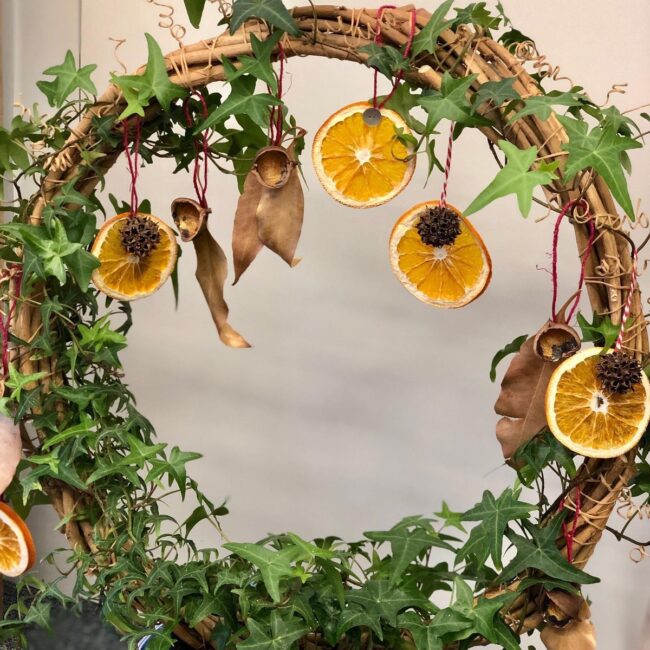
[556,341]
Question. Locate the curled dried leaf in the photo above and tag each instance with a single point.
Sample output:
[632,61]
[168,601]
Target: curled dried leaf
[556,341]
[280,214]
[10,451]
[562,607]
[577,635]
[521,400]
[246,243]
[190,217]
[273,167]
[211,272]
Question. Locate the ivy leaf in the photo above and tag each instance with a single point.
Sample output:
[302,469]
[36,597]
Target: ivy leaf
[273,565]
[81,264]
[512,348]
[536,454]
[476,13]
[542,105]
[427,38]
[601,331]
[19,382]
[385,58]
[381,600]
[450,518]
[284,633]
[273,11]
[241,101]
[424,635]
[68,78]
[494,515]
[496,92]
[194,10]
[601,150]
[138,90]
[403,102]
[351,618]
[174,467]
[406,543]
[259,65]
[450,103]
[516,177]
[542,554]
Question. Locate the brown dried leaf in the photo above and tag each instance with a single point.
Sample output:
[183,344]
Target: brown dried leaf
[245,241]
[280,215]
[211,272]
[578,635]
[521,401]
[10,451]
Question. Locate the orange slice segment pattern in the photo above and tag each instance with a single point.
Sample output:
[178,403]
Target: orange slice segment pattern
[589,420]
[128,277]
[360,165]
[449,276]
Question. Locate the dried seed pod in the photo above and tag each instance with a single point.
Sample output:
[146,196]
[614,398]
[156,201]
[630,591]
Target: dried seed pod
[273,166]
[190,217]
[618,372]
[140,235]
[562,607]
[556,341]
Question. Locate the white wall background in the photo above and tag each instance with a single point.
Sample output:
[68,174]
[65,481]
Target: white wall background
[358,405]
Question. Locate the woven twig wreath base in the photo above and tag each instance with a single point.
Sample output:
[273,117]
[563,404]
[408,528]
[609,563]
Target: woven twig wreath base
[339,33]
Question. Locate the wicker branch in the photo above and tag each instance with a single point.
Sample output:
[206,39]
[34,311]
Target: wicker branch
[338,33]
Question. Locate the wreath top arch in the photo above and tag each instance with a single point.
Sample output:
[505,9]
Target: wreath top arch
[90,453]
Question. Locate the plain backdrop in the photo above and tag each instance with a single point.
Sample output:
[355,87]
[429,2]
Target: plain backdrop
[358,405]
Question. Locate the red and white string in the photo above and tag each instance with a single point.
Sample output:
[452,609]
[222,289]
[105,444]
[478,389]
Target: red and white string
[133,159]
[445,182]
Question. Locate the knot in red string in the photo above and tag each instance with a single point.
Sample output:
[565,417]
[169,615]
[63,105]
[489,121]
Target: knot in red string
[570,533]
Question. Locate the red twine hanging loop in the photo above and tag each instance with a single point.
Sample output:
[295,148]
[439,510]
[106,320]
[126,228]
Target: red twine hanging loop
[570,533]
[277,114]
[133,159]
[585,256]
[201,150]
[407,50]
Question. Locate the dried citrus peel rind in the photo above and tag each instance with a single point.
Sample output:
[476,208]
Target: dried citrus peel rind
[588,420]
[447,276]
[361,165]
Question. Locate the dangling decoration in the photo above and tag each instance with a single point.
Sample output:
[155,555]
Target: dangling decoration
[137,252]
[598,401]
[436,253]
[191,219]
[357,155]
[271,208]
[17,549]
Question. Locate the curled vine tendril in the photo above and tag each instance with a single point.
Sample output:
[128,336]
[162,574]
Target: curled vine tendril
[167,21]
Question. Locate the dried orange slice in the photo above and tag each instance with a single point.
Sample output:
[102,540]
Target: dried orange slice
[589,420]
[137,255]
[448,275]
[359,164]
[17,550]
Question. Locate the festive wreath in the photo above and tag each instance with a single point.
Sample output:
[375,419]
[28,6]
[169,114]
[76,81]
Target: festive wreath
[71,434]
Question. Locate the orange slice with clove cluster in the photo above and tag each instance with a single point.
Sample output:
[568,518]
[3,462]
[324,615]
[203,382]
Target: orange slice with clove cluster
[588,418]
[438,256]
[137,254]
[362,162]
[17,550]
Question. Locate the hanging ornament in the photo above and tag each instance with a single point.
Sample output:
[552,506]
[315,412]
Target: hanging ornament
[598,401]
[357,154]
[11,451]
[191,219]
[137,251]
[271,208]
[436,253]
[567,622]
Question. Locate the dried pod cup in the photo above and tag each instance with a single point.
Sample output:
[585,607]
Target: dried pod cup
[190,217]
[272,167]
[556,341]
